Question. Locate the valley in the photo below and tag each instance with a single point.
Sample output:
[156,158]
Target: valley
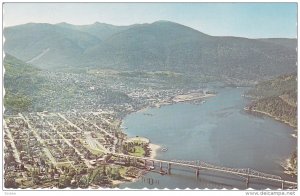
[70,88]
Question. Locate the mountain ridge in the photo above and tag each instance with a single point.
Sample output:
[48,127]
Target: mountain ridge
[161,45]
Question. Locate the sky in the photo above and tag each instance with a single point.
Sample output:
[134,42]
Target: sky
[251,20]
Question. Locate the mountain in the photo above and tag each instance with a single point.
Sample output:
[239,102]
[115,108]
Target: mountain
[47,46]
[159,46]
[285,42]
[173,47]
[148,46]
[99,30]
[277,98]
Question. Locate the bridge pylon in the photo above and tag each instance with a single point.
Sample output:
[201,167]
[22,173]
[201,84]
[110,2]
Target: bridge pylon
[169,168]
[197,173]
[248,178]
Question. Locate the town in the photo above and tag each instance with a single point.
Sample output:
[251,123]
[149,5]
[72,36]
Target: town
[46,150]
[68,135]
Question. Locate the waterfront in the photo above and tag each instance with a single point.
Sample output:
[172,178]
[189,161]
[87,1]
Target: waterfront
[218,131]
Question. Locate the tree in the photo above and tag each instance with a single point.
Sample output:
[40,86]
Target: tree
[104,173]
[116,175]
[83,182]
[9,159]
[65,182]
[98,179]
[10,182]
[43,162]
[74,184]
[108,172]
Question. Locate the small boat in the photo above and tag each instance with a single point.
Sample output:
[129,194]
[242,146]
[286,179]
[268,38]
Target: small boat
[164,149]
[151,167]
[163,172]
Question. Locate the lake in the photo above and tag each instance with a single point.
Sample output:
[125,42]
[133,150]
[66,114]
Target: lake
[219,132]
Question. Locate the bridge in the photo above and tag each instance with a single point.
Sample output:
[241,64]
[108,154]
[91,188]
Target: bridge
[245,173]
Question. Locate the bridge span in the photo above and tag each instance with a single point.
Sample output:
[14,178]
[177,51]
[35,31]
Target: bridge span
[247,173]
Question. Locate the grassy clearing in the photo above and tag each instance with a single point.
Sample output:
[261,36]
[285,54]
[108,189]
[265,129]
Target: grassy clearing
[138,151]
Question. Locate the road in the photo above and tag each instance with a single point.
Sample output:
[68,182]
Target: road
[91,141]
[15,150]
[94,143]
[76,150]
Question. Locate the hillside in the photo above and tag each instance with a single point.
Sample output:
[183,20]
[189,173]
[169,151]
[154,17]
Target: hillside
[29,89]
[277,98]
[47,46]
[288,43]
[20,81]
[159,46]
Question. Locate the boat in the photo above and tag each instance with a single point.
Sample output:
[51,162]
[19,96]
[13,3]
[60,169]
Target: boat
[164,149]
[151,167]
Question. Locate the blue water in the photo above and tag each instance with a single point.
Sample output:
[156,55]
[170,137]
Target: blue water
[218,132]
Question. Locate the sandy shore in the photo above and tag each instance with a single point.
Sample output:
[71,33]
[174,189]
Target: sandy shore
[138,139]
[143,109]
[154,149]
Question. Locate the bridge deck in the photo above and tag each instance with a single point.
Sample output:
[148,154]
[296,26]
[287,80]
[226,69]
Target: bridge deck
[259,175]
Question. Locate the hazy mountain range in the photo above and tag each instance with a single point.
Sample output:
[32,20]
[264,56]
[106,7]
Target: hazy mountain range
[161,45]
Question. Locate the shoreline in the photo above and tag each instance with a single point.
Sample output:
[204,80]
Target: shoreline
[154,150]
[191,97]
[270,115]
[285,164]
[287,167]
[155,147]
